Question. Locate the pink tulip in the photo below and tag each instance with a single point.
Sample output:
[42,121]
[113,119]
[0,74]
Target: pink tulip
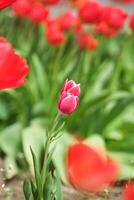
[68,103]
[71,87]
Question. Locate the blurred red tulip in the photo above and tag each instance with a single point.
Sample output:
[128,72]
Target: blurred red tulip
[125,1]
[90,12]
[13,68]
[71,87]
[68,20]
[68,103]
[106,30]
[132,22]
[87,170]
[54,36]
[38,12]
[51,22]
[51,2]
[5,3]
[113,16]
[79,28]
[87,42]
[22,7]
[128,1]
[77,3]
[128,191]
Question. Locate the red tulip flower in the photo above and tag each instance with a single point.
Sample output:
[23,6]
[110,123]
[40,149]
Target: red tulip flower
[128,1]
[77,3]
[22,7]
[132,22]
[5,3]
[38,12]
[114,16]
[68,20]
[125,1]
[13,68]
[89,171]
[106,30]
[87,42]
[54,36]
[51,2]
[90,12]
[53,32]
[51,22]
[128,191]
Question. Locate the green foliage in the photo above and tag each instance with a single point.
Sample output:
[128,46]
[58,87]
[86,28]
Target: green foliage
[27,189]
[33,136]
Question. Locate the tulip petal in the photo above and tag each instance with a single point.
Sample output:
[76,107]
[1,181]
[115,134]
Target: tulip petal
[13,68]
[68,104]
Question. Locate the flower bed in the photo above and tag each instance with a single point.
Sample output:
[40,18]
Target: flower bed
[70,122]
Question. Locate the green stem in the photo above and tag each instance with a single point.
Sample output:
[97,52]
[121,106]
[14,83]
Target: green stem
[44,169]
[47,146]
[57,62]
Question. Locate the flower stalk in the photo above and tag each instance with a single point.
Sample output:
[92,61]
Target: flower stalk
[44,175]
[47,145]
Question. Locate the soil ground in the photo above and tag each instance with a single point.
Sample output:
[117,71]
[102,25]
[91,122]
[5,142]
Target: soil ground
[12,190]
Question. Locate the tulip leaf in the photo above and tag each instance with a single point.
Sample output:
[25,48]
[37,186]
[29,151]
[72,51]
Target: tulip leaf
[33,136]
[27,189]
[59,155]
[37,173]
[58,192]
[34,191]
[13,146]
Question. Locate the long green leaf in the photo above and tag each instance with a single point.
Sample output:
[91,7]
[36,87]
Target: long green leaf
[37,173]
[27,189]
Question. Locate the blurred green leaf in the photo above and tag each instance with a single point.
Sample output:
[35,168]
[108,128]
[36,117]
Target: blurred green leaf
[59,155]
[37,174]
[33,136]
[27,189]
[10,140]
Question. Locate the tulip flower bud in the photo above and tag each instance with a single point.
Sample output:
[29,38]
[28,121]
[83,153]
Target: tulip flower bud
[114,16]
[68,20]
[71,87]
[21,8]
[106,30]
[90,12]
[86,41]
[77,3]
[13,68]
[38,12]
[51,22]
[68,103]
[125,1]
[54,36]
[51,2]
